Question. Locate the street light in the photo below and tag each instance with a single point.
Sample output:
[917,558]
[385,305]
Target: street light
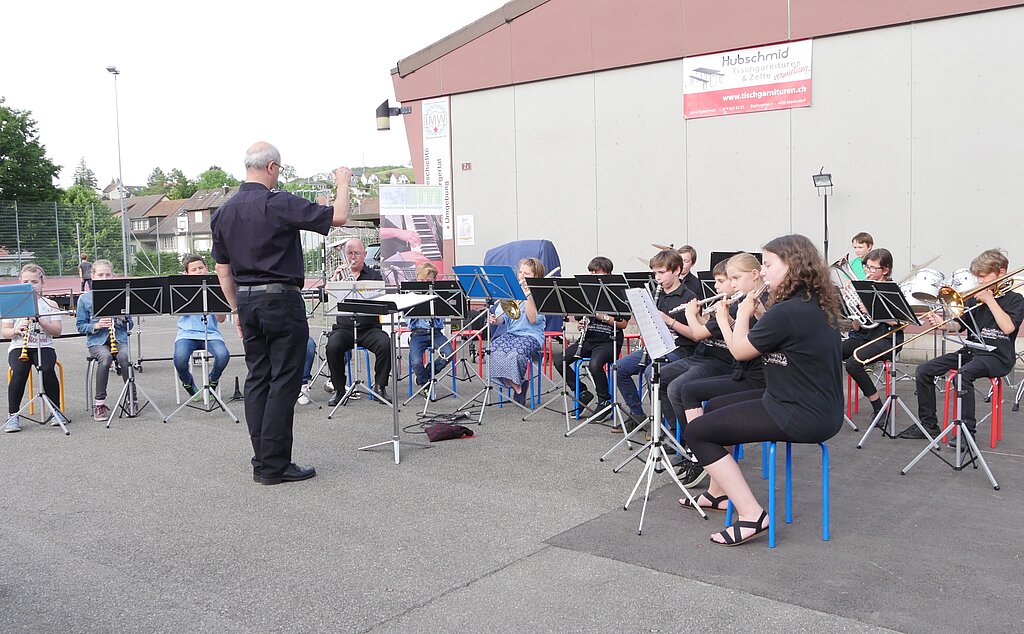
[120,175]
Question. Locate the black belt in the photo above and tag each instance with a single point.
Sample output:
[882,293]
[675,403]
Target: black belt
[273,287]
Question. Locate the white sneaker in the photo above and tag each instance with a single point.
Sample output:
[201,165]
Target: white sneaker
[13,424]
[329,386]
[304,395]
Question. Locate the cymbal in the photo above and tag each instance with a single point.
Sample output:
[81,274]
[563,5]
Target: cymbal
[917,267]
[645,262]
[665,247]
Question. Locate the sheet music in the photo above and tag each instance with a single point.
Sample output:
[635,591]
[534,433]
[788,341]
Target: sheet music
[657,338]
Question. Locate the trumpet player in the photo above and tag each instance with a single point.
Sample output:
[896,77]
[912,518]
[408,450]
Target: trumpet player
[106,339]
[596,343]
[364,330]
[524,336]
[28,340]
[996,318]
[878,268]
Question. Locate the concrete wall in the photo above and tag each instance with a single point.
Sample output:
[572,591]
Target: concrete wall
[919,125]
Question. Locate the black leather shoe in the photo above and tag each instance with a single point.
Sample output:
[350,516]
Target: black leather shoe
[914,433]
[255,475]
[383,392]
[292,473]
[334,400]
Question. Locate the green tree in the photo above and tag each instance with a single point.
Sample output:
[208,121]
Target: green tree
[157,183]
[181,185]
[85,176]
[25,172]
[215,177]
[100,228]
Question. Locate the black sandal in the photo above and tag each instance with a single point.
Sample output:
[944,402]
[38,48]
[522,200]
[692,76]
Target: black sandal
[719,503]
[734,539]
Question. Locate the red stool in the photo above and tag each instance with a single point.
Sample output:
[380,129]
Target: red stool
[997,408]
[853,393]
[627,343]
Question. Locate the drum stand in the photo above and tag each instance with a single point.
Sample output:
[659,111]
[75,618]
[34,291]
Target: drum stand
[965,455]
[657,459]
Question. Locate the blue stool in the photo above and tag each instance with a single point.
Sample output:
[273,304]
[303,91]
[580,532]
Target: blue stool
[576,368]
[769,455]
[533,381]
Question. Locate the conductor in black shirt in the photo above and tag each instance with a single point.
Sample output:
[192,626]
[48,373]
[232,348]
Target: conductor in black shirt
[258,253]
[364,330]
[798,338]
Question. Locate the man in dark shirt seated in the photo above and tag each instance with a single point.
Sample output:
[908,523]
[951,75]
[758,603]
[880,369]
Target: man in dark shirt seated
[364,330]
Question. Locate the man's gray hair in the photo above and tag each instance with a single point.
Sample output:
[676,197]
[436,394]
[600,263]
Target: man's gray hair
[261,155]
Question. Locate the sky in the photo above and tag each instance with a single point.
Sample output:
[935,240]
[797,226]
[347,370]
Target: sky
[201,81]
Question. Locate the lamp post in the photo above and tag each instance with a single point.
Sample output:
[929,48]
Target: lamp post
[120,174]
[823,182]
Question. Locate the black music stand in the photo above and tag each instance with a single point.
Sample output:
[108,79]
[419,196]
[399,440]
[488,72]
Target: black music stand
[660,342]
[488,282]
[346,292]
[392,305]
[558,296]
[969,454]
[718,256]
[19,301]
[885,302]
[707,284]
[124,299]
[605,294]
[449,304]
[199,295]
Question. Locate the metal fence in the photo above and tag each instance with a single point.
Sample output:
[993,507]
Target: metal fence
[54,236]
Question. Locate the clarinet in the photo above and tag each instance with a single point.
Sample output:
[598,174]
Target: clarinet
[584,325]
[24,341]
[113,338]
[646,359]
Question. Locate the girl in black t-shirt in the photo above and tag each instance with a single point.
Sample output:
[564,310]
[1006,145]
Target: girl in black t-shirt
[878,268]
[798,339]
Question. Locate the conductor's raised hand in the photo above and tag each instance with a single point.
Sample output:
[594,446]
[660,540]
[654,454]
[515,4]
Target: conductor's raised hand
[342,176]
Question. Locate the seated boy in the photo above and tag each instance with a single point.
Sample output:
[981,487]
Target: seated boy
[99,340]
[198,332]
[427,334]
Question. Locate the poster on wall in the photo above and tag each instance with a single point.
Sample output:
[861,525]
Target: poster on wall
[410,230]
[466,234]
[437,155]
[749,80]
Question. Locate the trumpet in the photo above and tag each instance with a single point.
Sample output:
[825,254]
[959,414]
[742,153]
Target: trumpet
[854,310]
[346,271]
[949,300]
[514,307]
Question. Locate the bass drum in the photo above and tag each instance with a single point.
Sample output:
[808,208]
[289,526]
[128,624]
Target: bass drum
[920,306]
[926,284]
[963,280]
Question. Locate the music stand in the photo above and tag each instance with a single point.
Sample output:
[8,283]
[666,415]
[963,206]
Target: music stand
[345,292]
[19,301]
[488,282]
[558,296]
[605,294]
[718,256]
[393,305]
[449,303]
[885,302]
[199,295]
[660,343]
[707,284]
[127,298]
[971,454]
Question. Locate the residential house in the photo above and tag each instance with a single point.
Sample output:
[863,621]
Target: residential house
[113,192]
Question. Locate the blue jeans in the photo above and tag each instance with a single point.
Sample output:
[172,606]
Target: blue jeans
[420,342]
[310,358]
[183,349]
[629,366]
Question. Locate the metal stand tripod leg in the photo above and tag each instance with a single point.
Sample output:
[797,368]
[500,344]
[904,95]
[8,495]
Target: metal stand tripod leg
[889,411]
[44,404]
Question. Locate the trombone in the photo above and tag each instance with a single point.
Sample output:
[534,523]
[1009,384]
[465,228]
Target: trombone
[954,302]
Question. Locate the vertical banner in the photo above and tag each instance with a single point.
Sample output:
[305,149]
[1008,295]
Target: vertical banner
[437,155]
[749,80]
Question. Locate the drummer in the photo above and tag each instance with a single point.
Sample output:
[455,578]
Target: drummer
[878,267]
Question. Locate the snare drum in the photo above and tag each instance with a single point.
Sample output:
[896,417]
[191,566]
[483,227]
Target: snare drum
[963,280]
[919,306]
[926,284]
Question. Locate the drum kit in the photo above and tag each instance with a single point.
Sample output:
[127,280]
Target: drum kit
[923,289]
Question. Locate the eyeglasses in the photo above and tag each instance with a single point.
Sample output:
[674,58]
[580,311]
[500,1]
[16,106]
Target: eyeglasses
[868,267]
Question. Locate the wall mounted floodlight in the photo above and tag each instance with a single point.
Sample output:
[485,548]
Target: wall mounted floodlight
[385,112]
[823,182]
